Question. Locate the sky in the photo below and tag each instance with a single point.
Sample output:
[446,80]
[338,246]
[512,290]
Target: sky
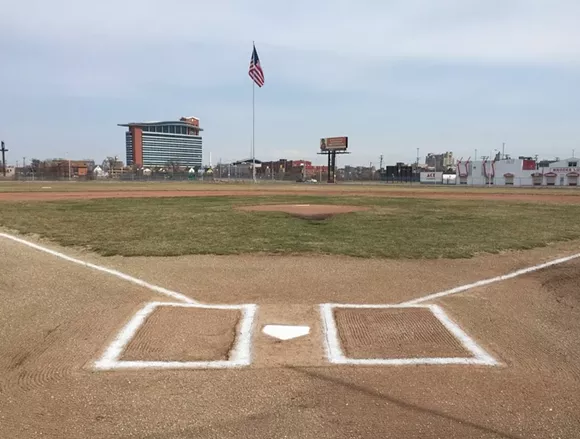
[392,75]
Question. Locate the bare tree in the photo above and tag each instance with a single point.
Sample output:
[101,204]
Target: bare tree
[174,166]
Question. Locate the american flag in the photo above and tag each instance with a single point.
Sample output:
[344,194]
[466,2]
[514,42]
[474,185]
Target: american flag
[256,72]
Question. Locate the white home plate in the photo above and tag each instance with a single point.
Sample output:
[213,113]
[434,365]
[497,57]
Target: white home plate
[286,332]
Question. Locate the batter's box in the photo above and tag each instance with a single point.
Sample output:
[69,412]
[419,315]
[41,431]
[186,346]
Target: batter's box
[395,335]
[167,335]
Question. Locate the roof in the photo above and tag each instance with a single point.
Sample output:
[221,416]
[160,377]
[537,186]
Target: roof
[160,122]
[247,161]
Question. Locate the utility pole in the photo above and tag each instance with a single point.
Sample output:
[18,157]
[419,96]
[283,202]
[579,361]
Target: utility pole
[24,165]
[4,151]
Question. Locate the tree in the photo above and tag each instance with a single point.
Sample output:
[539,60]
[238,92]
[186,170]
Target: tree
[35,165]
[109,164]
[173,165]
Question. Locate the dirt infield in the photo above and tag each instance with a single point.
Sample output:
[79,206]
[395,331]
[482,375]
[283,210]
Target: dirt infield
[543,196]
[57,318]
[307,211]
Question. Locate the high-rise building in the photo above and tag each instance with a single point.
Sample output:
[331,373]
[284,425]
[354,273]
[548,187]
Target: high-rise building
[177,143]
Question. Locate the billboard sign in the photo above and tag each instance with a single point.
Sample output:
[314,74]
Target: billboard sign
[334,144]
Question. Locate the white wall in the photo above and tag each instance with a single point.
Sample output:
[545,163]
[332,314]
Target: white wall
[431,177]
[476,175]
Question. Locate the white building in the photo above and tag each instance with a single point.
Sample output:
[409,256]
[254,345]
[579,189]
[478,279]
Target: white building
[562,173]
[517,172]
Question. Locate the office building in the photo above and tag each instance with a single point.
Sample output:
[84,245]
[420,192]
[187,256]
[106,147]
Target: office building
[159,144]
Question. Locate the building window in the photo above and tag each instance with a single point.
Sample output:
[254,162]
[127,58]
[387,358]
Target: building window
[165,129]
[158,128]
[172,129]
[573,164]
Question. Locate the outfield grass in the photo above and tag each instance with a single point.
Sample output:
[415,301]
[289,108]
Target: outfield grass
[393,228]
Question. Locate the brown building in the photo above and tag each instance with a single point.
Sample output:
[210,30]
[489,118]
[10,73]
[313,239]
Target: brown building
[292,169]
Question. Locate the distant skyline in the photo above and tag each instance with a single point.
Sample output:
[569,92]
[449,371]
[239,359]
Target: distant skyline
[394,76]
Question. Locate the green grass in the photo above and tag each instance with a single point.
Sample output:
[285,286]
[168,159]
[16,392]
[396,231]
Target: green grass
[393,228]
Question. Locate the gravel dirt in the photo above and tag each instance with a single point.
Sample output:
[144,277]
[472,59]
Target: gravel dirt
[184,334]
[395,333]
[57,318]
[541,196]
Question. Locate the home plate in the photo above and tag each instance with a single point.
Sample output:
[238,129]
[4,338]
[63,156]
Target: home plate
[286,332]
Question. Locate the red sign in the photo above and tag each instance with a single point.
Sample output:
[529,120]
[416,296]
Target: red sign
[334,144]
[529,165]
[564,170]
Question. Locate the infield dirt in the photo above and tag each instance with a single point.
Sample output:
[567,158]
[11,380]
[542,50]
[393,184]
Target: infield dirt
[57,318]
[542,196]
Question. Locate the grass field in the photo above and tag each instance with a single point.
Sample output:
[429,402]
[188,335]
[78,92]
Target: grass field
[393,228]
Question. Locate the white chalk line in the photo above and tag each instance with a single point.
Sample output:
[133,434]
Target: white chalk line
[492,280]
[336,355]
[240,353]
[134,280]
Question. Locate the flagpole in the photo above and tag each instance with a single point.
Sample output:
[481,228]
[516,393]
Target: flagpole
[254,125]
[253,131]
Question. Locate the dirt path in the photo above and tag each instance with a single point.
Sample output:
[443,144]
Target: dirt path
[58,318]
[542,197]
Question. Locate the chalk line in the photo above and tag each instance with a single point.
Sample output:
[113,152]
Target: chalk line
[492,280]
[336,355]
[134,280]
[240,354]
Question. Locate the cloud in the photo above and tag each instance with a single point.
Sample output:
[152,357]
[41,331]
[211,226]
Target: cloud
[115,48]
[370,68]
[531,30]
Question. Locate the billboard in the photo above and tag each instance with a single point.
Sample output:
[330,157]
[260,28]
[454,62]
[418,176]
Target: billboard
[334,144]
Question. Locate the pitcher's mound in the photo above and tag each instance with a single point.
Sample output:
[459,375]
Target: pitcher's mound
[308,211]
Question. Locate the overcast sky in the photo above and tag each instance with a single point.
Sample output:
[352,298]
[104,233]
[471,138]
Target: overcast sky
[394,76]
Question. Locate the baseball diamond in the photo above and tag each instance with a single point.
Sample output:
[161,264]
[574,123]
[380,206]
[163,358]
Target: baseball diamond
[288,311]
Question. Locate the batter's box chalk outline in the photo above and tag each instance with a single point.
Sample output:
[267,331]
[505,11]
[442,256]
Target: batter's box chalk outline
[240,354]
[336,355]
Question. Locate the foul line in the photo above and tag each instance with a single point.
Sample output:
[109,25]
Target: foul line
[134,280]
[492,280]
